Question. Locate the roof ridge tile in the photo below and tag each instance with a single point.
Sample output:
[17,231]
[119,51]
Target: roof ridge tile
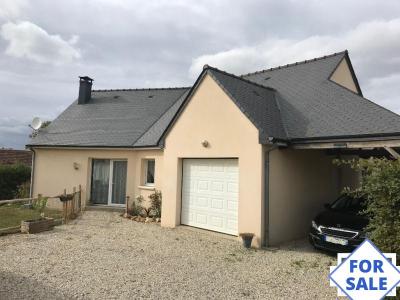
[296,63]
[207,67]
[141,89]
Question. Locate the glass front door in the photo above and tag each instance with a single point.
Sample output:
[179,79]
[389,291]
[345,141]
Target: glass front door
[108,182]
[118,191]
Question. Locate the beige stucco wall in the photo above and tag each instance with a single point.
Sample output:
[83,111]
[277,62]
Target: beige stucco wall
[342,76]
[300,182]
[211,115]
[54,170]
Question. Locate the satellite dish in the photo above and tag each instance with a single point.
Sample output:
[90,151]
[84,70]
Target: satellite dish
[36,123]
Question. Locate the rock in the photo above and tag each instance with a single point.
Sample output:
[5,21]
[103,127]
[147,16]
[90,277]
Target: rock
[128,216]
[158,220]
[147,220]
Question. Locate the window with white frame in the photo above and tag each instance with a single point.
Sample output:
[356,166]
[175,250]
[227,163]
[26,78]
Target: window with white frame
[149,172]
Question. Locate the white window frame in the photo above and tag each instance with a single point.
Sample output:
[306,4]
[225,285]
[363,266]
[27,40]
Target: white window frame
[110,181]
[146,164]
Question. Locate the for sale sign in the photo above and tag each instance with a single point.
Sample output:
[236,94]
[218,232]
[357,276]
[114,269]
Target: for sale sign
[366,273]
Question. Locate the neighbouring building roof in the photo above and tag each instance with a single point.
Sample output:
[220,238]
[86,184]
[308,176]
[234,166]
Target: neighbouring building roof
[11,156]
[291,103]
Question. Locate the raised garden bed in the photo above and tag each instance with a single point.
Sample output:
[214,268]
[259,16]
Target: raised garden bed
[11,215]
[36,226]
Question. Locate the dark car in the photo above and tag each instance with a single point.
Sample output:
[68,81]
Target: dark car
[341,227]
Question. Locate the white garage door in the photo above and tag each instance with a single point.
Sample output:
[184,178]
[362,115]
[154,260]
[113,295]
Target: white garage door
[210,194]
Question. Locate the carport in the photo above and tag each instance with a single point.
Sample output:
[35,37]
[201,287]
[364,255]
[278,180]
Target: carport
[301,178]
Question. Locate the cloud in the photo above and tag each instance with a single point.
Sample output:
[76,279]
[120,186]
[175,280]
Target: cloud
[376,41]
[11,9]
[133,43]
[27,40]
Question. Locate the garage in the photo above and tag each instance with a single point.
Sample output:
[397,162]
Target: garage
[210,194]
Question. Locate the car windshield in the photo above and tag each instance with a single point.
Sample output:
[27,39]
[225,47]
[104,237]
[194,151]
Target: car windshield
[348,204]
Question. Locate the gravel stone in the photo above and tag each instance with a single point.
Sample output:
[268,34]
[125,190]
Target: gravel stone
[103,256]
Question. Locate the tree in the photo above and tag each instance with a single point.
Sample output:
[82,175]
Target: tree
[380,186]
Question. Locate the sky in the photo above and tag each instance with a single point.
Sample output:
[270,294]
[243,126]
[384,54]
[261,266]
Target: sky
[44,47]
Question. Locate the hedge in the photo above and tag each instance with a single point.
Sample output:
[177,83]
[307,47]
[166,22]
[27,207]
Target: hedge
[380,186]
[11,177]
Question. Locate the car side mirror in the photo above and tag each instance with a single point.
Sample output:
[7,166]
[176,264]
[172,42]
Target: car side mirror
[327,205]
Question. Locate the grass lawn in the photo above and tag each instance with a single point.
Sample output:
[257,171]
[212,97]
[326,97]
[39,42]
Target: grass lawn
[12,215]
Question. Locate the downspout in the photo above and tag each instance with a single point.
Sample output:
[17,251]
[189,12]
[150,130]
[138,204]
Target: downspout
[32,173]
[266,193]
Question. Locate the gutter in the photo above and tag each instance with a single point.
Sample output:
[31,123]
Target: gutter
[348,138]
[99,147]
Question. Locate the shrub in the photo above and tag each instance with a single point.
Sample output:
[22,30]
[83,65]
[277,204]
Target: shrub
[380,186]
[136,207]
[11,176]
[40,205]
[23,190]
[154,210]
[155,207]
[141,210]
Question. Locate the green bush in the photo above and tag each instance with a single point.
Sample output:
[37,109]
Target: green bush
[154,210]
[155,199]
[380,186]
[11,177]
[23,190]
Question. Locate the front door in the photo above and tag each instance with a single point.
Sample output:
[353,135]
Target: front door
[118,188]
[108,182]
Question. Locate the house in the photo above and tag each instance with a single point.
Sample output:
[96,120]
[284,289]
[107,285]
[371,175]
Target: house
[231,154]
[11,156]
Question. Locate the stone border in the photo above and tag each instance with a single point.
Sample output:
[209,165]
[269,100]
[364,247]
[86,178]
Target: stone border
[10,230]
[17,229]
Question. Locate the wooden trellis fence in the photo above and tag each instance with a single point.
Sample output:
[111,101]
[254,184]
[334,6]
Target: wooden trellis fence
[72,204]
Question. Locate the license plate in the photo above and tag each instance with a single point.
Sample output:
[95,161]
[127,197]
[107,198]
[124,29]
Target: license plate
[336,240]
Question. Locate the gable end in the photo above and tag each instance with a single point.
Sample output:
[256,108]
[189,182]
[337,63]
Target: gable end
[344,75]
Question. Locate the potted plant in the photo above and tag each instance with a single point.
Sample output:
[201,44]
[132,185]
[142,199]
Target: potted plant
[247,239]
[40,224]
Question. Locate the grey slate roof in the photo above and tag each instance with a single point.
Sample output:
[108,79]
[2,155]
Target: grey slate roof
[292,103]
[312,106]
[153,135]
[257,102]
[114,118]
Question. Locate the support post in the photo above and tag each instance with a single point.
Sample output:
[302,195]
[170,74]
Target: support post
[65,207]
[73,201]
[80,197]
[127,205]
[392,152]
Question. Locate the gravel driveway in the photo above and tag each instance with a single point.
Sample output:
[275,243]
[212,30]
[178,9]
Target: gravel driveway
[102,256]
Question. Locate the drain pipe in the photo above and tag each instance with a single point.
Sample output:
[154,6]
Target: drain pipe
[272,146]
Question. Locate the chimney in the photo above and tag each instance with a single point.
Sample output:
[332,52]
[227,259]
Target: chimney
[85,89]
